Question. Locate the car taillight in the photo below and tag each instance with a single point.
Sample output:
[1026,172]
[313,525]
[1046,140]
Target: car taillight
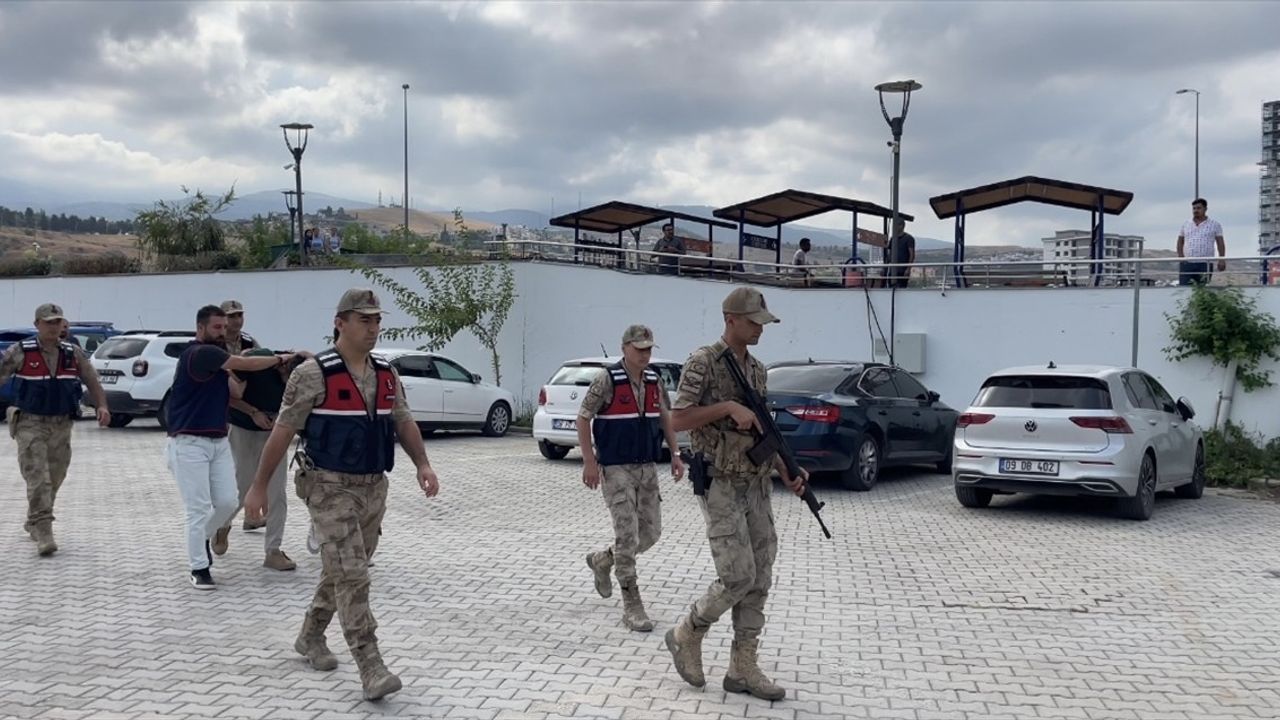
[139,368]
[967,419]
[816,413]
[1116,425]
[542,396]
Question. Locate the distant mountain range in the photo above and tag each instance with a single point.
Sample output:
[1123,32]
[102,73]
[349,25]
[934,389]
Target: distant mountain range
[15,195]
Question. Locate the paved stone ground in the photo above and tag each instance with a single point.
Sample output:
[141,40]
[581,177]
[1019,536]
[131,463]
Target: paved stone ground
[1036,608]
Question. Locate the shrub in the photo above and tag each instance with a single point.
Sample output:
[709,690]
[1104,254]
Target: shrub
[25,267]
[1233,457]
[108,264]
[221,260]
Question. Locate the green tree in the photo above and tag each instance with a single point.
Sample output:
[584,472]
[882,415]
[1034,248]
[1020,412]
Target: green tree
[457,295]
[1224,325]
[184,228]
[256,240]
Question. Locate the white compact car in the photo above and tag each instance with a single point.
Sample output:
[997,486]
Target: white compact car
[1078,430]
[555,423]
[136,371]
[443,395]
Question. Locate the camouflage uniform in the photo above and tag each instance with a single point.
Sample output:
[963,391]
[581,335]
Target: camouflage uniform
[346,511]
[736,506]
[630,491]
[738,512]
[44,444]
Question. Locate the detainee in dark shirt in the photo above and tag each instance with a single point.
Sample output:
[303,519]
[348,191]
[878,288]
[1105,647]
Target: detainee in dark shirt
[199,453]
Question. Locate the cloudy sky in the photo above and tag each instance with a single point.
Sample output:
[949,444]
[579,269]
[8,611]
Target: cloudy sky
[519,105]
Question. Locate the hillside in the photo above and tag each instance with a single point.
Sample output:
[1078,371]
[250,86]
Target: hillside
[14,242]
[420,222]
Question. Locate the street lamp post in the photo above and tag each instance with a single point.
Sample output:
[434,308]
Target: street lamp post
[904,88]
[297,147]
[405,199]
[290,201]
[1197,92]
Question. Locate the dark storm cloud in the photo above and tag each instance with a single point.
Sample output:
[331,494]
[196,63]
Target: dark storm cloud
[1072,90]
[48,45]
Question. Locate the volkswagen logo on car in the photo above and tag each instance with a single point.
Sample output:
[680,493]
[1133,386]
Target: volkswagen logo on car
[1030,426]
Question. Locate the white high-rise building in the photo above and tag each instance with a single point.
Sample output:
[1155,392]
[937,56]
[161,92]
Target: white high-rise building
[1074,245]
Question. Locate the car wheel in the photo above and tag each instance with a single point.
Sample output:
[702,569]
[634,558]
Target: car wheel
[865,471]
[499,420]
[1194,489]
[972,497]
[162,415]
[1143,503]
[119,421]
[551,451]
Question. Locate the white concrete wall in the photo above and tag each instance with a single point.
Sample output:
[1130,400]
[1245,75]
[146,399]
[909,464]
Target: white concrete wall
[565,312]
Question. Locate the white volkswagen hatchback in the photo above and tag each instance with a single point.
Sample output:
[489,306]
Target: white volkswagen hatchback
[555,422]
[443,395]
[1077,430]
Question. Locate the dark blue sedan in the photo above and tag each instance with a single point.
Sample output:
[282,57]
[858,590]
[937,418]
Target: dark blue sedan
[855,418]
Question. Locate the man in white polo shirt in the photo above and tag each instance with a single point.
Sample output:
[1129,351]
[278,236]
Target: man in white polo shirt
[1196,240]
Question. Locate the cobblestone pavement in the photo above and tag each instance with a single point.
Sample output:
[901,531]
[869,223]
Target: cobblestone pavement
[1036,608]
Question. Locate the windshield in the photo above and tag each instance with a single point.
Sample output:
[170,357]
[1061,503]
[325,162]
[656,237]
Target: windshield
[809,378]
[575,375]
[583,374]
[1044,391]
[119,348]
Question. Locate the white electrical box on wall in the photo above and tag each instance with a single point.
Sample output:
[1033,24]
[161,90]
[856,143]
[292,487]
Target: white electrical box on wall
[908,351]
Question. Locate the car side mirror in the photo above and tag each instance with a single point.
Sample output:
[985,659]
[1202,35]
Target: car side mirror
[1184,409]
[933,397]
[475,378]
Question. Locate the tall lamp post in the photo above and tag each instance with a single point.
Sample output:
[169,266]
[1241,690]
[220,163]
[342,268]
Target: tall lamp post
[405,199]
[903,88]
[1183,91]
[297,147]
[291,202]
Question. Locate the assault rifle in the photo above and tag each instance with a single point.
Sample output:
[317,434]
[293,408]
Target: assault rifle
[771,440]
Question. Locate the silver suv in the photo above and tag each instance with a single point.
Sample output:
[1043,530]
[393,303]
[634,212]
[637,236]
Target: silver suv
[136,369]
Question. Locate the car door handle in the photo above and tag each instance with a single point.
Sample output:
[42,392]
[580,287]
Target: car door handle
[883,412]
[916,413]
[1153,422]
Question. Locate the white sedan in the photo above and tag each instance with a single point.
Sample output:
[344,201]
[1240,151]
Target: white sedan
[1078,430]
[443,395]
[555,423]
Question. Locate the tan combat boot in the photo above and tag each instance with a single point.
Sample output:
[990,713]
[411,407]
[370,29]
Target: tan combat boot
[43,535]
[377,680]
[685,644]
[310,643]
[633,615]
[601,564]
[744,674]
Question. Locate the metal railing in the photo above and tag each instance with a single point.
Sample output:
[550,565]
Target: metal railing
[1052,273]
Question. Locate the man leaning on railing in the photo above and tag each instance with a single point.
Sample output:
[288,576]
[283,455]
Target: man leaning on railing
[671,245]
[1196,240]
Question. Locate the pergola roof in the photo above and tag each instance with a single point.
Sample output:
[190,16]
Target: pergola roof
[617,216]
[1033,189]
[789,205]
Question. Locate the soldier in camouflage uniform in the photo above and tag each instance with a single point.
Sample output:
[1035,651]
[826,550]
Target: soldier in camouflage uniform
[46,400]
[628,405]
[350,408]
[736,505]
